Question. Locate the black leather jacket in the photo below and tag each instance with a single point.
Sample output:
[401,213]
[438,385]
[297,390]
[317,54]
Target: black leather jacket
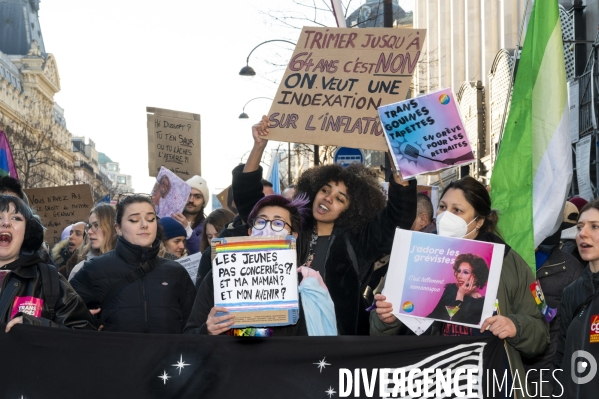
[24,283]
[159,303]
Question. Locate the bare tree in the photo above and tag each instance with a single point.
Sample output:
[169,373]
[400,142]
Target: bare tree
[37,159]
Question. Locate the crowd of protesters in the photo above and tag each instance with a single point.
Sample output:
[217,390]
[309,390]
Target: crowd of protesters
[117,271]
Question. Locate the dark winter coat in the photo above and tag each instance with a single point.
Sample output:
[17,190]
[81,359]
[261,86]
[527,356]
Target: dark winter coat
[61,253]
[557,272]
[159,302]
[574,295]
[193,241]
[24,280]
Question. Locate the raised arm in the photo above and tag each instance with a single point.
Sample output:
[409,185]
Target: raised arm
[247,186]
[376,239]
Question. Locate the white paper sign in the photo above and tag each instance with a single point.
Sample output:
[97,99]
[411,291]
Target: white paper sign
[583,161]
[191,264]
[574,110]
[257,279]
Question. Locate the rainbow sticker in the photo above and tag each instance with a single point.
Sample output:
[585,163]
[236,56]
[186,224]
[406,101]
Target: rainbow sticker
[444,99]
[407,307]
[262,245]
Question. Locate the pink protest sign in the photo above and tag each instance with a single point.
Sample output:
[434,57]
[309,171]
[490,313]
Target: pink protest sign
[425,134]
[442,278]
[27,304]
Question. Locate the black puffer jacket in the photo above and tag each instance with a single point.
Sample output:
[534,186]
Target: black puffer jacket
[160,302]
[24,283]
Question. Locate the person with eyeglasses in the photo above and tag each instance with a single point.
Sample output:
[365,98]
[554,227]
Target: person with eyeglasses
[273,215]
[101,238]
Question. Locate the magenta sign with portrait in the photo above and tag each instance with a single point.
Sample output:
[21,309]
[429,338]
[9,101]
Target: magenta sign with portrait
[441,278]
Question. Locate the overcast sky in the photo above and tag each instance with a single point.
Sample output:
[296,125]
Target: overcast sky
[117,57]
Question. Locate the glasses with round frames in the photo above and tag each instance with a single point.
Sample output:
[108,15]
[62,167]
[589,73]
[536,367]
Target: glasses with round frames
[275,224]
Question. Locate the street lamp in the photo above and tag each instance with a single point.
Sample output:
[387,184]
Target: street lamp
[247,70]
[243,115]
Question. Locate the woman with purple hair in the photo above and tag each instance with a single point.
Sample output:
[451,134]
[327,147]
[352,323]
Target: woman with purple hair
[273,215]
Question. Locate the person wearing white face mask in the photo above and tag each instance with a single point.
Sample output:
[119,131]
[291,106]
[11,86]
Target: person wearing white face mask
[465,212]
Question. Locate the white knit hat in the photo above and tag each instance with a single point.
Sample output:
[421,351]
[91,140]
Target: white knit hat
[199,183]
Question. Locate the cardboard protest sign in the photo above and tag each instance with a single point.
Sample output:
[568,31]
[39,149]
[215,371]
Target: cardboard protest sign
[336,80]
[256,278]
[60,207]
[174,142]
[191,264]
[170,193]
[426,134]
[225,198]
[442,278]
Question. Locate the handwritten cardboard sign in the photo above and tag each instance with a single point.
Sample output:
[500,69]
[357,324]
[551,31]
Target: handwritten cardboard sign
[256,278]
[170,193]
[426,134]
[174,142]
[336,80]
[442,278]
[60,207]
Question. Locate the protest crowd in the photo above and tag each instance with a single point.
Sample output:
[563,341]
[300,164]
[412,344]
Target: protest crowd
[333,254]
[116,271]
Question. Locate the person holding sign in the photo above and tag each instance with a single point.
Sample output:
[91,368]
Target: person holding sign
[136,290]
[32,291]
[465,212]
[348,229]
[192,217]
[273,215]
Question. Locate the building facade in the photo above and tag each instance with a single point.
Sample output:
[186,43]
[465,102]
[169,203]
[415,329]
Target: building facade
[45,152]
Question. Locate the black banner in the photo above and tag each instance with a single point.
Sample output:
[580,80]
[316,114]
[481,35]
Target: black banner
[40,362]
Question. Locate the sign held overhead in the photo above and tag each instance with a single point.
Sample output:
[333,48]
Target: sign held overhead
[174,141]
[336,80]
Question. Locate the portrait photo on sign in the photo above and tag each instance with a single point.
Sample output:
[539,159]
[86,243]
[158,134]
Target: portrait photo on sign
[441,278]
[170,193]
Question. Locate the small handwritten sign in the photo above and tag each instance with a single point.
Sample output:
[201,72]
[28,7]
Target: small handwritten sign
[256,278]
[174,142]
[60,207]
[336,80]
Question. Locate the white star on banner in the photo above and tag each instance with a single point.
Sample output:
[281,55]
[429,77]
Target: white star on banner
[164,377]
[330,392]
[322,364]
[180,364]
